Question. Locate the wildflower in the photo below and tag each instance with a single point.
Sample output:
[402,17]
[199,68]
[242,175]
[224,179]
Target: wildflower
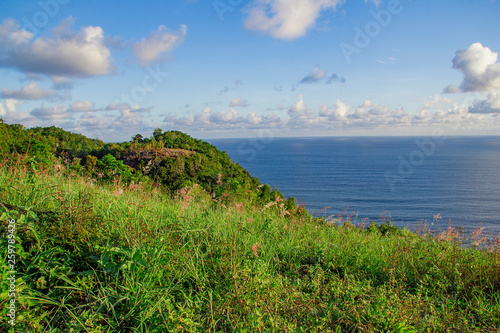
[240,207]
[284,213]
[255,248]
[478,236]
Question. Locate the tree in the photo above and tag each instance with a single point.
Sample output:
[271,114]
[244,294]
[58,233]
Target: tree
[137,138]
[157,134]
[90,162]
[112,168]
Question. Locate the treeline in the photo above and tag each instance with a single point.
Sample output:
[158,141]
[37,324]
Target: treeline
[171,159]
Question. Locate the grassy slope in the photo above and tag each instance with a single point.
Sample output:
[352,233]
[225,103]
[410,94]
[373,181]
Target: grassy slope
[115,259]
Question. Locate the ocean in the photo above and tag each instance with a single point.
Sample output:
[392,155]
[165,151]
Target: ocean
[413,181]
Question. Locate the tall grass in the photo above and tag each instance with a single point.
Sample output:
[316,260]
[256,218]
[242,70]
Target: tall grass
[117,258]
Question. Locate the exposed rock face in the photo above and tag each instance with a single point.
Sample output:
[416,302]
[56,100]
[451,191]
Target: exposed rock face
[152,157]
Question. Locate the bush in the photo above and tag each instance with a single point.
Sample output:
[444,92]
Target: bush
[111,168]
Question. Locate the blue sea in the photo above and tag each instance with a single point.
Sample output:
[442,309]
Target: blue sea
[434,181]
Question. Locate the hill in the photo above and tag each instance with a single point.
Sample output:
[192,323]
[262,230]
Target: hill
[171,159]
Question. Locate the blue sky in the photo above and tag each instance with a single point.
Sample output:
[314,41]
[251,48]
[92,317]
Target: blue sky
[250,68]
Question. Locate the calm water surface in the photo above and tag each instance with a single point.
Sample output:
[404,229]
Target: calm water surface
[412,180]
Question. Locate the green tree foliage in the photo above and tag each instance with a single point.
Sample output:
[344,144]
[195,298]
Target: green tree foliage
[171,158]
[111,168]
[44,140]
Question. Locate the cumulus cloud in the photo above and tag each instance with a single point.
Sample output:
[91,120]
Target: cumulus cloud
[116,126]
[298,106]
[117,122]
[490,105]
[435,112]
[480,70]
[9,105]
[372,116]
[285,19]
[338,112]
[212,120]
[66,53]
[57,112]
[30,92]
[435,102]
[120,121]
[158,43]
[12,36]
[238,101]
[82,106]
[10,114]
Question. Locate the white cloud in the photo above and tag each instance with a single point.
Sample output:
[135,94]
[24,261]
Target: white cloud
[12,104]
[9,106]
[82,106]
[11,36]
[338,112]
[115,126]
[479,67]
[316,75]
[298,106]
[238,101]
[286,19]
[436,101]
[372,118]
[29,92]
[9,113]
[66,53]
[57,112]
[490,105]
[212,120]
[118,122]
[159,42]
[83,117]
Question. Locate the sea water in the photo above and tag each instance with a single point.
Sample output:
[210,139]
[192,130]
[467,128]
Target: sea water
[411,181]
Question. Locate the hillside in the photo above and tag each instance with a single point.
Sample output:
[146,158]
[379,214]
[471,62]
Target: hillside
[101,243]
[171,159]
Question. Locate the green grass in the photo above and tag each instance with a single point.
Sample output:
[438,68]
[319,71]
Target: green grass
[121,258]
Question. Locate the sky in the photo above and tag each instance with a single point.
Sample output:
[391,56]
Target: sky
[251,68]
